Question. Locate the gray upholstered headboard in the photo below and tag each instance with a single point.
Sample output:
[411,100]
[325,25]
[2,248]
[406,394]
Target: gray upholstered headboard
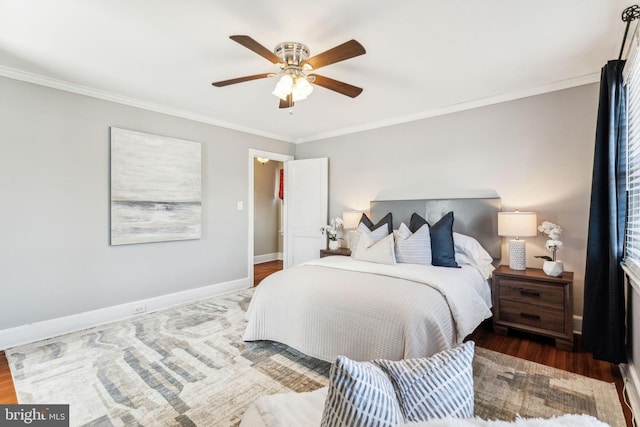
[477,218]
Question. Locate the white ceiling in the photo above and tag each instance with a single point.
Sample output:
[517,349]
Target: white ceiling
[424,57]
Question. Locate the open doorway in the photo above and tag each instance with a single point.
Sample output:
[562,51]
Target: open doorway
[268,196]
[266,214]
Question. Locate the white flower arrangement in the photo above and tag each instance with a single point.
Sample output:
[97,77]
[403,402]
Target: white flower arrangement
[553,243]
[333,229]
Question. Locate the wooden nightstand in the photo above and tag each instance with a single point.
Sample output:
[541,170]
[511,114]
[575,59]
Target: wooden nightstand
[340,251]
[531,301]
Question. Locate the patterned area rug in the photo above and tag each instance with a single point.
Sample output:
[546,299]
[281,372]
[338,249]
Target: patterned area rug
[506,385]
[188,366]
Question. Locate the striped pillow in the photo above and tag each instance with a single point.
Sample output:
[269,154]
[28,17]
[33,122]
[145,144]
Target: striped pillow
[435,387]
[414,248]
[441,233]
[377,234]
[360,394]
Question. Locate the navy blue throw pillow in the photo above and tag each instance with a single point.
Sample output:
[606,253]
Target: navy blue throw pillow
[388,219]
[416,222]
[443,253]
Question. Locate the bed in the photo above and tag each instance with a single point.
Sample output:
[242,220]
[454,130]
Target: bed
[370,310]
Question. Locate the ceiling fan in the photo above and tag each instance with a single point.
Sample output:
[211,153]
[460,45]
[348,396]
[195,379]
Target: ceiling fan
[295,83]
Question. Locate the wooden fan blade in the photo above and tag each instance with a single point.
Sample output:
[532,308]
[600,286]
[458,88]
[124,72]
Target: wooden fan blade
[241,79]
[337,86]
[253,45]
[288,103]
[339,53]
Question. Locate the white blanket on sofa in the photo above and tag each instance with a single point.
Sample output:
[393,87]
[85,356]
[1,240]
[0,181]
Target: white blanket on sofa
[305,409]
[569,420]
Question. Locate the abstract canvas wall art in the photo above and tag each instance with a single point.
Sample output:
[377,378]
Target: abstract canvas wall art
[156,188]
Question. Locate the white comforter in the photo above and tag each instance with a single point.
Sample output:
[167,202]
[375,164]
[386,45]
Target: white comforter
[340,306]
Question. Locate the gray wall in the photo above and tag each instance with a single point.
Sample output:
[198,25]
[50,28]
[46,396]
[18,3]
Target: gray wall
[267,208]
[536,153]
[55,258]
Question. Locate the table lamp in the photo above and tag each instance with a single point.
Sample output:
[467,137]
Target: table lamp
[517,224]
[350,222]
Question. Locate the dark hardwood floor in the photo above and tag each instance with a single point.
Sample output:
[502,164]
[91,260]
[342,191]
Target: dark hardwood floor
[525,346]
[7,391]
[260,271]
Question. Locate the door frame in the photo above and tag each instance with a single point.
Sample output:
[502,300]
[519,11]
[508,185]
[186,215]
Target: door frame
[279,157]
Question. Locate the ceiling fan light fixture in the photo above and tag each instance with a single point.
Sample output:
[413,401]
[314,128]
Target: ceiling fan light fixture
[284,87]
[293,58]
[302,89]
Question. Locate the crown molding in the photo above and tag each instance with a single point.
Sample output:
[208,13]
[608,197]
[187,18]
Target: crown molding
[38,79]
[456,108]
[41,80]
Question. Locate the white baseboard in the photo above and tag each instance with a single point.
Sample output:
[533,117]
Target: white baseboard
[32,332]
[632,386]
[259,259]
[577,325]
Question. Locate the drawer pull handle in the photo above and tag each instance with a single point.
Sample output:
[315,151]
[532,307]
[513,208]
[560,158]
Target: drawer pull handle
[529,293]
[530,316]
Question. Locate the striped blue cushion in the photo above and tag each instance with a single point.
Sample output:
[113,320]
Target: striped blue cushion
[360,394]
[435,387]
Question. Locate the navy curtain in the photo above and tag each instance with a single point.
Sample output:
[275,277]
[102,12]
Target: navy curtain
[603,324]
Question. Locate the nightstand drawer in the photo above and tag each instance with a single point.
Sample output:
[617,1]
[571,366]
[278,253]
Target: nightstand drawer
[531,293]
[531,301]
[531,315]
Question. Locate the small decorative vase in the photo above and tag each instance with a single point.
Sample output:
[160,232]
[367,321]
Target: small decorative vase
[334,244]
[553,268]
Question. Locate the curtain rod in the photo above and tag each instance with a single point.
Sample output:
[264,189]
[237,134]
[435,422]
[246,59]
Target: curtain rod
[628,15]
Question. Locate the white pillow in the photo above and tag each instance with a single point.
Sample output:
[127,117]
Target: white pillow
[414,248]
[381,252]
[471,250]
[377,234]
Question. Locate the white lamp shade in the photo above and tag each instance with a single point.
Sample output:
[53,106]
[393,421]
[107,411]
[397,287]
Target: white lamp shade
[301,89]
[350,219]
[517,224]
[284,87]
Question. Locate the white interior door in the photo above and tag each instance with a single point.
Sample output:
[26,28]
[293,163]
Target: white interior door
[306,209]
